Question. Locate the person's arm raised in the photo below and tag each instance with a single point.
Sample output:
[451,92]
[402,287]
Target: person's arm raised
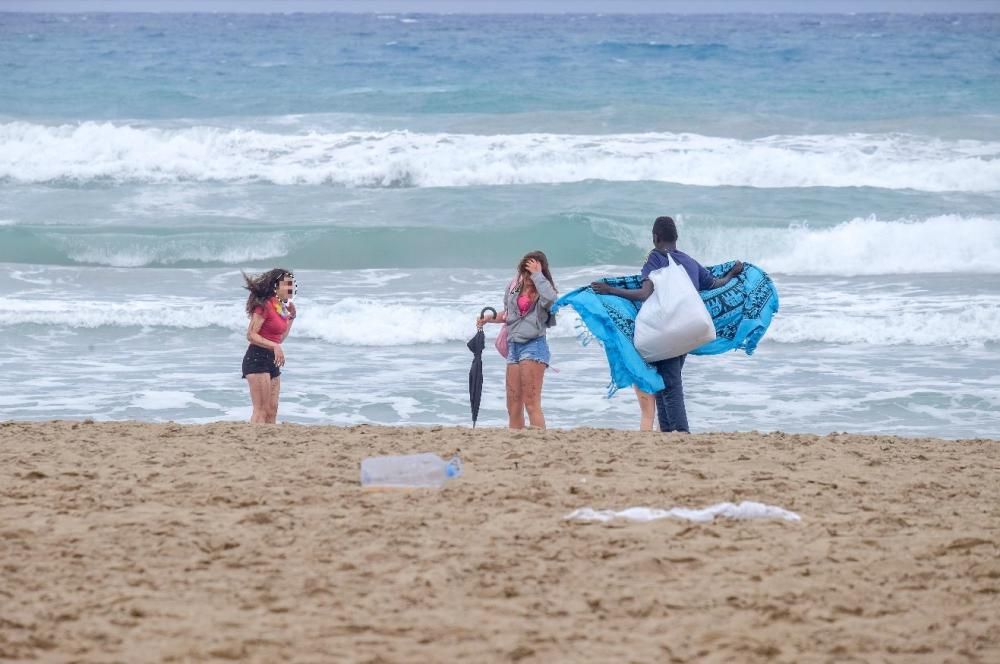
[546,293]
[291,319]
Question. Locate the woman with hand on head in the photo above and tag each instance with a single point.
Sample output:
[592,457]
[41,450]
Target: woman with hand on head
[527,304]
[271,315]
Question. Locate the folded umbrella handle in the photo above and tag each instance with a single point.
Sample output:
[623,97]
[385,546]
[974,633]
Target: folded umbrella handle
[482,314]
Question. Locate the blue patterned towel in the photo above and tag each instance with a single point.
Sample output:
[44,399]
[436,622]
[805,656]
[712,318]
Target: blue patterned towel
[741,310]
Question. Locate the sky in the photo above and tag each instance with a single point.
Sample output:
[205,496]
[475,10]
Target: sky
[510,6]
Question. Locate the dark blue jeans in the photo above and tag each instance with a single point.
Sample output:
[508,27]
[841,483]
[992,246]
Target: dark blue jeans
[670,409]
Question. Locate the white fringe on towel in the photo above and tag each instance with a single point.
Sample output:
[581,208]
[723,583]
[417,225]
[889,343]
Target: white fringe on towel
[745,510]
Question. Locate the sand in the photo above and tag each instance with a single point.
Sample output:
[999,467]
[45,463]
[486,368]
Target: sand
[136,542]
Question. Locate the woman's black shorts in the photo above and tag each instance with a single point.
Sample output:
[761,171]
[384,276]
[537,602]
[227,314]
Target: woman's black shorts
[259,360]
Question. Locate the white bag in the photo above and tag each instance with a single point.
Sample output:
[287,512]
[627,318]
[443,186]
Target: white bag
[674,320]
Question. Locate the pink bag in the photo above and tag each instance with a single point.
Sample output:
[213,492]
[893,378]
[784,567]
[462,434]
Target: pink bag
[501,342]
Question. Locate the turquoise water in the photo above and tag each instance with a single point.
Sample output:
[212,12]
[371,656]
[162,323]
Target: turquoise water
[401,164]
[761,74]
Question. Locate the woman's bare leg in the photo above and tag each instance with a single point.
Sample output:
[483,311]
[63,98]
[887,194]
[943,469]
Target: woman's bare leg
[532,376]
[647,408]
[272,400]
[515,400]
[260,396]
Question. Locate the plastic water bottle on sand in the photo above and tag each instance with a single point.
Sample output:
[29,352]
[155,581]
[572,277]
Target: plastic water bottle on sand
[413,471]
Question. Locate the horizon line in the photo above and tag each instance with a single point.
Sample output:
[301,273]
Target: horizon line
[147,12]
[507,7]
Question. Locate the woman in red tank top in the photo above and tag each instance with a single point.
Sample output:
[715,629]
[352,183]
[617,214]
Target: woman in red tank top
[271,314]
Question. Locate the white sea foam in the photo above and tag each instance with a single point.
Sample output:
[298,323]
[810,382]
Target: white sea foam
[944,244]
[92,151]
[806,317]
[862,246]
[168,400]
[366,322]
[972,326]
[169,312]
[363,322]
[349,321]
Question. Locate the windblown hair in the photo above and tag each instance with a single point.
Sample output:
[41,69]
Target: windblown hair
[263,287]
[522,270]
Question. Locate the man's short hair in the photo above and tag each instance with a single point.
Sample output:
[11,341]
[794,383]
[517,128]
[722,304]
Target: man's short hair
[664,230]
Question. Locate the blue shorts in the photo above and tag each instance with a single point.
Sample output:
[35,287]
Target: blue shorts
[536,349]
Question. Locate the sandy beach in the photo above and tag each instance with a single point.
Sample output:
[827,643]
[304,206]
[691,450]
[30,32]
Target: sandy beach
[130,542]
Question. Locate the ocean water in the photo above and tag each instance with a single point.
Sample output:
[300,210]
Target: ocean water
[402,164]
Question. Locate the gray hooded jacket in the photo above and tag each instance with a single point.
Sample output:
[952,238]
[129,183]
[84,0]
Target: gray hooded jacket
[537,319]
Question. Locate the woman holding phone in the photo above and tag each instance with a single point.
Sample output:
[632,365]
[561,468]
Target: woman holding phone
[271,314]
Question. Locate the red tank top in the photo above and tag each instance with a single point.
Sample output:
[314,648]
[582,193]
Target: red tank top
[274,326]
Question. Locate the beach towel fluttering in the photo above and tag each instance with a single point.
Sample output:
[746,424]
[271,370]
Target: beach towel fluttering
[741,310]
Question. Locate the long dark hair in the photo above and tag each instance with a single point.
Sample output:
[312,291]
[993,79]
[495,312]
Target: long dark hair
[541,258]
[263,287]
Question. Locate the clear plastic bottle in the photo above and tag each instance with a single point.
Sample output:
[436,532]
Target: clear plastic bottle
[412,471]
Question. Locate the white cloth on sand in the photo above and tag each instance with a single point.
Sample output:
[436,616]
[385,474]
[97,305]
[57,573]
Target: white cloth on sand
[745,510]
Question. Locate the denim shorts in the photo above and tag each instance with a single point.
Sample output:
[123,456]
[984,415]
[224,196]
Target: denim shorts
[536,349]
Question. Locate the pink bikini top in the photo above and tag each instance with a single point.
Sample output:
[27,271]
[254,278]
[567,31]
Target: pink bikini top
[523,303]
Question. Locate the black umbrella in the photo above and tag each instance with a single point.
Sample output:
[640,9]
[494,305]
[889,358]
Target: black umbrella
[476,345]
